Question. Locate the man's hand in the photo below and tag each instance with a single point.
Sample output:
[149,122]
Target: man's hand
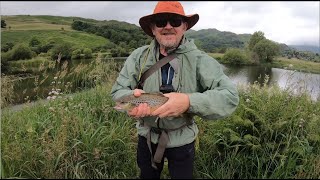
[177,104]
[142,110]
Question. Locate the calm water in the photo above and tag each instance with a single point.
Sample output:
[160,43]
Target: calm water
[295,81]
[286,79]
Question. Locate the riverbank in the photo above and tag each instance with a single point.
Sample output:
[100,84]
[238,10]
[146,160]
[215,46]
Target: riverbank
[84,137]
[283,63]
[296,64]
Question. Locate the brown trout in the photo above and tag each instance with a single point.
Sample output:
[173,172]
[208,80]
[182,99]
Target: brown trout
[127,103]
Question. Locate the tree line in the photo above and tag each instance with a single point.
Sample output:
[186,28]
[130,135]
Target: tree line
[123,36]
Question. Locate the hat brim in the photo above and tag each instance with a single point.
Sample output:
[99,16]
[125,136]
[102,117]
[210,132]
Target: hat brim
[145,22]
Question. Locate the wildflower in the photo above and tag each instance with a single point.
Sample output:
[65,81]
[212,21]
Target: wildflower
[247,100]
[55,77]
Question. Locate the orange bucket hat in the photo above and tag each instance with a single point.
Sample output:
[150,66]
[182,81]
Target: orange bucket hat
[172,7]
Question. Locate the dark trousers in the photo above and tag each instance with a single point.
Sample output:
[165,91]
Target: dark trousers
[180,161]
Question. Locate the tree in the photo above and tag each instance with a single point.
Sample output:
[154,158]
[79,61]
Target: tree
[255,38]
[266,50]
[3,24]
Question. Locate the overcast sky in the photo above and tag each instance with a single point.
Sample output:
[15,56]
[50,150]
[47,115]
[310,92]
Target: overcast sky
[282,21]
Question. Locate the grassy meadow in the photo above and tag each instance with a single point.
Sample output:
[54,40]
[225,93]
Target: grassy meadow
[272,134]
[296,64]
[22,28]
[81,39]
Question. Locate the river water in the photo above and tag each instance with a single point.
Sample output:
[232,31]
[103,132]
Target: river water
[294,81]
[286,79]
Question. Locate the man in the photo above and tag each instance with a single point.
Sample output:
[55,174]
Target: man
[193,81]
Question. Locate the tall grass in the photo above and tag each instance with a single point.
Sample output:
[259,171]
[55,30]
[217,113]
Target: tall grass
[34,65]
[273,134]
[6,91]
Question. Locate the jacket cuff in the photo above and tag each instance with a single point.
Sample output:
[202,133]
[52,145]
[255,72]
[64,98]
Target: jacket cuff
[193,108]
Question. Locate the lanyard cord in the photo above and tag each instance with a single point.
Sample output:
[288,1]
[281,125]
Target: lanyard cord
[168,77]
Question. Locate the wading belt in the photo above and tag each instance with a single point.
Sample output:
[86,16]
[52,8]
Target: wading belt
[162,141]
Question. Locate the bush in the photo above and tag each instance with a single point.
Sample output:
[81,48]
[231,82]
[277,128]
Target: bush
[46,47]
[65,49]
[234,56]
[87,53]
[21,51]
[76,54]
[6,47]
[4,63]
[34,42]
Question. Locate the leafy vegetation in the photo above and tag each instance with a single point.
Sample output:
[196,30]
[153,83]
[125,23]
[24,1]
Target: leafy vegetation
[272,134]
[235,56]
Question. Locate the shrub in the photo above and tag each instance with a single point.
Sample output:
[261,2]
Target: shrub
[21,51]
[6,47]
[34,42]
[235,56]
[65,49]
[87,53]
[76,54]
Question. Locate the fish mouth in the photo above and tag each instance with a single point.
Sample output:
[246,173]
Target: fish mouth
[119,109]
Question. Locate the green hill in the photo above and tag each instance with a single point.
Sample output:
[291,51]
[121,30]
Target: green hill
[119,38]
[211,40]
[22,28]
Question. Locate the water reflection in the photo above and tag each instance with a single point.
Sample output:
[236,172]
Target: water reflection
[286,79]
[294,81]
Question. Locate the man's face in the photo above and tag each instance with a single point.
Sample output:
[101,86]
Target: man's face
[168,29]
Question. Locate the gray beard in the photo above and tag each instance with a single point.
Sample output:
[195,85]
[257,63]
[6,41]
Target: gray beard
[170,49]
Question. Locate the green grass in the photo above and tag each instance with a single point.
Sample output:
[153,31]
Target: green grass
[296,64]
[79,39]
[272,134]
[33,65]
[216,55]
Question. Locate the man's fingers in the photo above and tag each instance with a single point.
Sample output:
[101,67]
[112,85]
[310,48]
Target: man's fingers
[138,92]
[141,111]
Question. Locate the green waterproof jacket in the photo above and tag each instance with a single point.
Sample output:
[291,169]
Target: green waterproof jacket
[212,94]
